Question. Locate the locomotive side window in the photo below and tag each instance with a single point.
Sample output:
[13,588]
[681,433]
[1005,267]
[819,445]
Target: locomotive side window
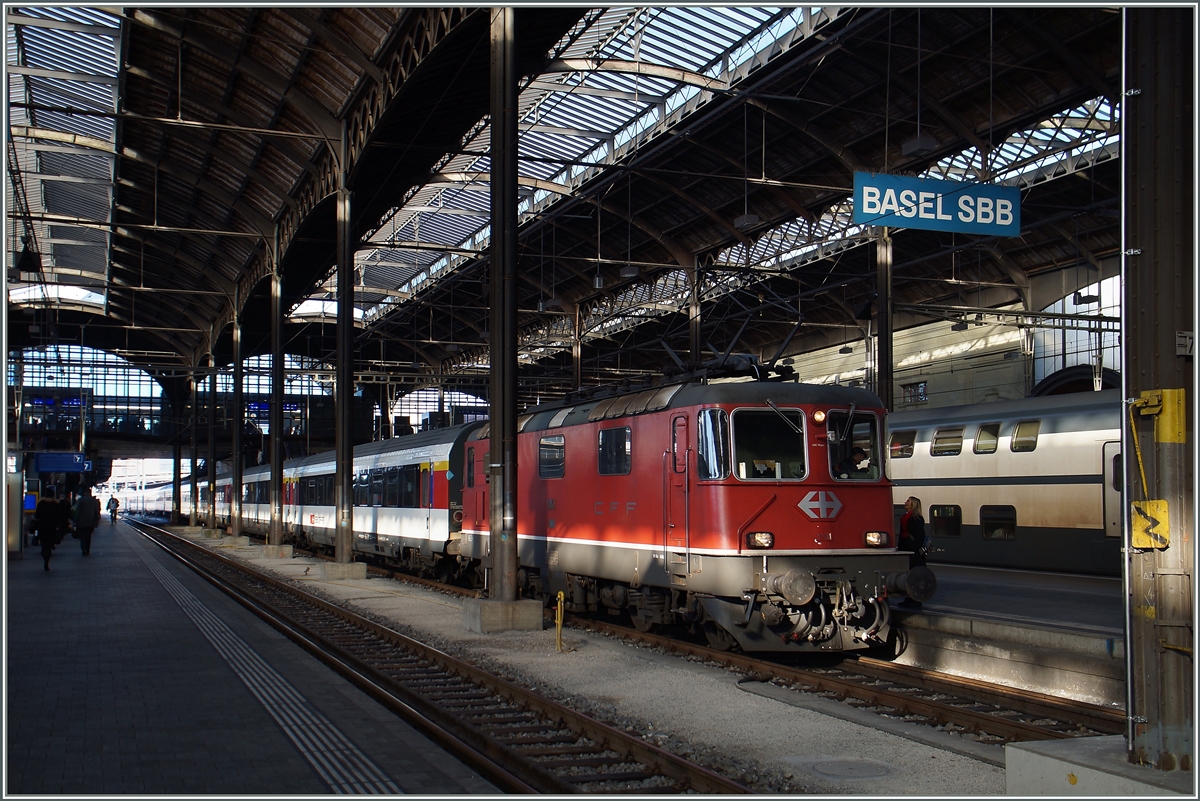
[987,438]
[614,451]
[470,467]
[712,448]
[902,444]
[679,444]
[945,520]
[552,456]
[768,444]
[946,442]
[1025,436]
[998,522]
[853,446]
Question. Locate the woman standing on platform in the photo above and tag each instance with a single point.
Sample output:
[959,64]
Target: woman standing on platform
[912,538]
[50,523]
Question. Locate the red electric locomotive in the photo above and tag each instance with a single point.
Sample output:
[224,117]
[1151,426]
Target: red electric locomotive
[758,511]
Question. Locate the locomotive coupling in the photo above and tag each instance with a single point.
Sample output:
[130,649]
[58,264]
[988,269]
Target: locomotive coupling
[919,583]
[797,586]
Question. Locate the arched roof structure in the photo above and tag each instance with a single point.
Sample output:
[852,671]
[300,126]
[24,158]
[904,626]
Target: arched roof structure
[163,160]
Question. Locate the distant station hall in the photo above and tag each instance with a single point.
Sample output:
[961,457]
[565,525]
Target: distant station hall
[408,399]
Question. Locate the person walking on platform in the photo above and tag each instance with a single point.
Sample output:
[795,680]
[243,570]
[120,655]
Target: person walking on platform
[87,517]
[113,506]
[912,538]
[50,524]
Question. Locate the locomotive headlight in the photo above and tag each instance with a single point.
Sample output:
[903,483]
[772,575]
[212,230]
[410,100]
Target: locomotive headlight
[760,539]
[877,539]
[818,416]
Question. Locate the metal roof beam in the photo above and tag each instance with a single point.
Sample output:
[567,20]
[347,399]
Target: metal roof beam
[615,94]
[61,75]
[637,68]
[61,25]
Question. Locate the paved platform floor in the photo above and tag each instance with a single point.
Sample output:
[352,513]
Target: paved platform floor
[127,674]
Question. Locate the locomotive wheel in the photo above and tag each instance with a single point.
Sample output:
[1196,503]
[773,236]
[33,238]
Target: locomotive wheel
[640,623]
[719,638]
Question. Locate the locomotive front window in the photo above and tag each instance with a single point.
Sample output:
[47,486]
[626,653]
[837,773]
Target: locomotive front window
[615,452]
[712,449]
[853,446]
[768,444]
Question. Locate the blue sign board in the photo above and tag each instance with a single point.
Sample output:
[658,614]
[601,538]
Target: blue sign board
[899,201]
[61,463]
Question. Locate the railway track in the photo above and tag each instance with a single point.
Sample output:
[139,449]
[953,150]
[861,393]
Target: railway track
[992,713]
[988,711]
[515,738]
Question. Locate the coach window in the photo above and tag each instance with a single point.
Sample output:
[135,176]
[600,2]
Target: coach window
[945,520]
[768,444]
[614,457]
[552,456]
[1025,435]
[946,442]
[998,522]
[377,488]
[391,487]
[987,438]
[410,486]
[362,489]
[902,444]
[853,446]
[712,447]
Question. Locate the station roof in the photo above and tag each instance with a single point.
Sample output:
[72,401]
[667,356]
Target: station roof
[157,157]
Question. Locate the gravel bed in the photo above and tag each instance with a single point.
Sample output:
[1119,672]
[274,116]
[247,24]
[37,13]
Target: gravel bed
[686,706]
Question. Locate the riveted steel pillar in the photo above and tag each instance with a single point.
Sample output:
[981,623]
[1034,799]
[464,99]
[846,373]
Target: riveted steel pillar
[694,314]
[193,504]
[503,378]
[1158,142]
[211,478]
[239,412]
[275,536]
[344,402]
[883,326]
[176,482]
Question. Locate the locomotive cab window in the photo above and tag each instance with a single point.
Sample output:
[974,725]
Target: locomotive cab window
[552,456]
[853,446]
[712,447]
[1025,436]
[987,438]
[615,451]
[769,444]
[902,444]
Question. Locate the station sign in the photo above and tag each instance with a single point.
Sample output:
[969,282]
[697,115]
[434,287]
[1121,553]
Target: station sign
[61,463]
[901,201]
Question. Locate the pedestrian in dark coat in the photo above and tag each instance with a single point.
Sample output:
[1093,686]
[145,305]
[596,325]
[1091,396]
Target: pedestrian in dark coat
[87,517]
[50,524]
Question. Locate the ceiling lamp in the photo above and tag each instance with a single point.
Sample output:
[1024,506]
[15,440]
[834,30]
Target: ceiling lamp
[961,325]
[919,145]
[845,349]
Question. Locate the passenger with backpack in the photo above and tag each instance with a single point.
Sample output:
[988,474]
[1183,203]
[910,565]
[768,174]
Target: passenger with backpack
[50,524]
[113,506]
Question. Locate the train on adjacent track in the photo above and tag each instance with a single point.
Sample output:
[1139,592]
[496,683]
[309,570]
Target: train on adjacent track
[731,507]
[1030,484]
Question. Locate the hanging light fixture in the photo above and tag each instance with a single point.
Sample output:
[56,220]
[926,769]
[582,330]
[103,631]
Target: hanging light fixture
[921,144]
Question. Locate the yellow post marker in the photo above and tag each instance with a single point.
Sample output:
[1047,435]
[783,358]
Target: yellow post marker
[558,621]
[1151,528]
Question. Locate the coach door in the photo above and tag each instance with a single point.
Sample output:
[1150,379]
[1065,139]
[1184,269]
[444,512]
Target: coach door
[676,477]
[1114,483]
